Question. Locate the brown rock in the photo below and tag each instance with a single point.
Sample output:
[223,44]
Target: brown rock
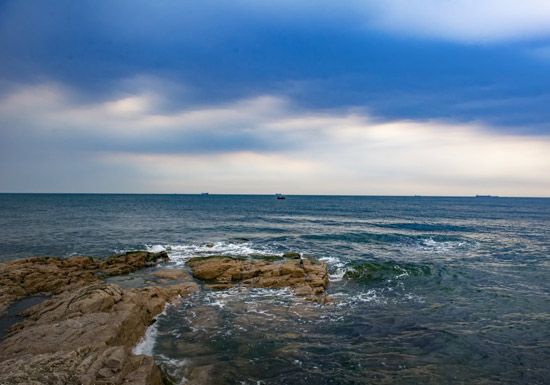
[304,277]
[82,366]
[83,334]
[221,286]
[22,277]
[86,336]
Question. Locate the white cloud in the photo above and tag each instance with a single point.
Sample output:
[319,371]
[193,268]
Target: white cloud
[319,153]
[471,21]
[465,21]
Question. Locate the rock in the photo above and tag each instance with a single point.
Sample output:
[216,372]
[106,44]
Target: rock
[116,359]
[23,277]
[291,255]
[266,257]
[173,274]
[221,286]
[218,268]
[81,366]
[84,333]
[304,277]
[180,290]
[86,336]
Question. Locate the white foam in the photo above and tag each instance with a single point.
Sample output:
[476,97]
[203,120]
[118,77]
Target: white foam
[174,366]
[180,253]
[155,248]
[330,260]
[176,363]
[147,343]
[414,298]
[372,295]
[338,275]
[336,268]
[429,244]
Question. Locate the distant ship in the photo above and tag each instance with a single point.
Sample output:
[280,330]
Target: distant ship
[204,193]
[486,196]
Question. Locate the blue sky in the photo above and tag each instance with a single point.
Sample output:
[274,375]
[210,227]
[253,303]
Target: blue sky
[348,97]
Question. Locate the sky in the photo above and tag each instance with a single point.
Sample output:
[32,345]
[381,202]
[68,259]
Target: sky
[348,97]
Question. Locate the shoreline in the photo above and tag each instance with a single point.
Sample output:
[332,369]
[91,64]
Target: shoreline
[86,330]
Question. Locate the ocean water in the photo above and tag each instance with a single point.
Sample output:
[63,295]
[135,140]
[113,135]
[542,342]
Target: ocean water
[427,290]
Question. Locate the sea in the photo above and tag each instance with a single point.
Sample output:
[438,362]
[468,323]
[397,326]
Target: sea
[426,290]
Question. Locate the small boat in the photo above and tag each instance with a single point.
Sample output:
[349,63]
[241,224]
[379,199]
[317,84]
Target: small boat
[281,197]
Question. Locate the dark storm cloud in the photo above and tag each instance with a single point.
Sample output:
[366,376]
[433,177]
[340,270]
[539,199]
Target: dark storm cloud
[321,57]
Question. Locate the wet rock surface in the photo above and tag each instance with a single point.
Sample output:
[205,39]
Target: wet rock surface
[84,333]
[304,277]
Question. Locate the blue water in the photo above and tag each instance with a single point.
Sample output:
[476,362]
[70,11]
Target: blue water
[427,290]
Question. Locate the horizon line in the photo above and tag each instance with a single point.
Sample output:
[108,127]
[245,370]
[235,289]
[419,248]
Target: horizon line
[275,194]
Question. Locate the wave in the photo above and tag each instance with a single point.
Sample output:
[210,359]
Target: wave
[372,272]
[336,268]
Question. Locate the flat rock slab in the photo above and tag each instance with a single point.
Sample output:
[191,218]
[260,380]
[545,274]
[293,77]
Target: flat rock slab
[305,277]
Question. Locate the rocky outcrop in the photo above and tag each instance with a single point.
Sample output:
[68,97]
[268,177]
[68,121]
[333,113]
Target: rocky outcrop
[305,277]
[83,334]
[23,277]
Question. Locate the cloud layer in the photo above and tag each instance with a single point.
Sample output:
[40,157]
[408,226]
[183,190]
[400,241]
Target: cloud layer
[351,97]
[399,60]
[466,21]
[259,145]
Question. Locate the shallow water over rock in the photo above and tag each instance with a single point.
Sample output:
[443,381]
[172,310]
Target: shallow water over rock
[12,314]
